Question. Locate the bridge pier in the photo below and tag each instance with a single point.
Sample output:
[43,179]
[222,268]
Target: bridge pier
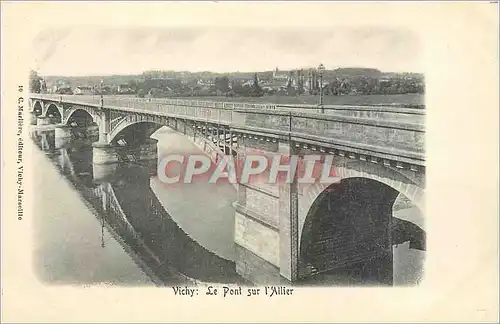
[257,270]
[103,153]
[103,172]
[63,135]
[33,118]
[43,121]
[288,223]
[267,213]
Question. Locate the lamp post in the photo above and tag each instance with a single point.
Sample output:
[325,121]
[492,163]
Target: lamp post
[321,69]
[102,97]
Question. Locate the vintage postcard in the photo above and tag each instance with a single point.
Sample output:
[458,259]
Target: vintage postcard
[264,161]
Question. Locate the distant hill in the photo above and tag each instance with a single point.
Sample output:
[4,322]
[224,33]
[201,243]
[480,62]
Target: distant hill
[354,72]
[346,72]
[76,81]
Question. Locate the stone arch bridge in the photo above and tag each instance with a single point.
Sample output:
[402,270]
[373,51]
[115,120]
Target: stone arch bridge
[295,229]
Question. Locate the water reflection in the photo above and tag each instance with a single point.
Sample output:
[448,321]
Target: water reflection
[68,238]
[132,213]
[142,232]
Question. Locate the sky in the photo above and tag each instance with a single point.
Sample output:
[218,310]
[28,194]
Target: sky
[104,51]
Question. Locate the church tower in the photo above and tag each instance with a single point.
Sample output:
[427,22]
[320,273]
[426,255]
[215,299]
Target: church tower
[275,73]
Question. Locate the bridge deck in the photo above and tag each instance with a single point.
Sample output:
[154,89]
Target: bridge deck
[381,131]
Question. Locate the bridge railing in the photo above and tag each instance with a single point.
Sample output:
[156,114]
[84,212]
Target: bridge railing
[216,111]
[94,100]
[197,112]
[140,102]
[136,102]
[385,132]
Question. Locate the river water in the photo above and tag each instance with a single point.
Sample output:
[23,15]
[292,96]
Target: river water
[151,234]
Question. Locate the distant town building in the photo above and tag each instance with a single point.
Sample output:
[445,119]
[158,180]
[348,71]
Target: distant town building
[280,76]
[64,89]
[124,89]
[202,82]
[83,90]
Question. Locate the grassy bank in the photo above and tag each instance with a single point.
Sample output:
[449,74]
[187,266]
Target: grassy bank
[396,99]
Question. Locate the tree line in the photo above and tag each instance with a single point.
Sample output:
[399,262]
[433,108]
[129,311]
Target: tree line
[222,86]
[157,85]
[37,83]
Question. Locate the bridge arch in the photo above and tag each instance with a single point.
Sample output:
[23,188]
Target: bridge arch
[134,129]
[75,114]
[358,207]
[37,107]
[54,111]
[360,169]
